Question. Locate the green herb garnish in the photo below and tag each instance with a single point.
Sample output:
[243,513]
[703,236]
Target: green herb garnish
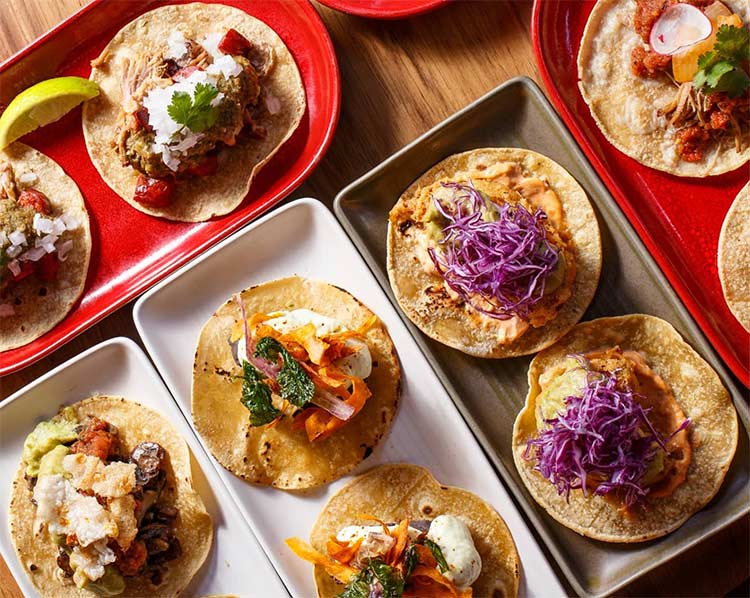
[411,560]
[294,384]
[256,396]
[196,113]
[390,579]
[438,554]
[722,69]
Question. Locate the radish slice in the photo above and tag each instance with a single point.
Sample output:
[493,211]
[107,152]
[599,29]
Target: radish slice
[679,27]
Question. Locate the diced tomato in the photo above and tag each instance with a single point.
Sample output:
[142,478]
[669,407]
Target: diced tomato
[205,167]
[153,193]
[185,72]
[36,200]
[234,43]
[48,267]
[95,440]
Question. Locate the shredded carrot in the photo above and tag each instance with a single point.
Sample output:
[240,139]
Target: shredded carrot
[306,337]
[425,556]
[401,533]
[302,549]
[368,517]
[343,552]
[428,581]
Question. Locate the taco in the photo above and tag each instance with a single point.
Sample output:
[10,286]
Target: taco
[397,528]
[195,99]
[626,431]
[495,252]
[45,245]
[294,383]
[734,257]
[103,504]
[666,82]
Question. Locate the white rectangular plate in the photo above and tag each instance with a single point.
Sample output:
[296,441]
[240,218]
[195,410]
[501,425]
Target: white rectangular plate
[303,238]
[119,367]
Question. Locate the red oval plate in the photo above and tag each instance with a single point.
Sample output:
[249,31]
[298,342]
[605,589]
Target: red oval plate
[132,251]
[679,219]
[384,9]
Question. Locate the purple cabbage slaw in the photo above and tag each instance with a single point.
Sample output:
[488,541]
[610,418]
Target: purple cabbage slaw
[506,262]
[605,433]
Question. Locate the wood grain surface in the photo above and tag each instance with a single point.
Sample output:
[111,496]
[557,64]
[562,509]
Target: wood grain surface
[398,79]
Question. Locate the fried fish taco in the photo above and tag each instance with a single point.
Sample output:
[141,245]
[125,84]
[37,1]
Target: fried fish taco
[45,244]
[195,99]
[294,383]
[398,532]
[103,504]
[734,257]
[626,431]
[495,252]
[667,81]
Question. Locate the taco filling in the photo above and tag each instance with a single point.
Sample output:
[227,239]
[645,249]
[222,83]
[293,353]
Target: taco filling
[701,48]
[609,425]
[412,558]
[101,507]
[499,247]
[183,105]
[34,237]
[301,365]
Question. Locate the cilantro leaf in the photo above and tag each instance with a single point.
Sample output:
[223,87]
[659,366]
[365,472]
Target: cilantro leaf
[722,69]
[196,113]
[377,573]
[733,42]
[294,383]
[411,560]
[256,397]
[438,554]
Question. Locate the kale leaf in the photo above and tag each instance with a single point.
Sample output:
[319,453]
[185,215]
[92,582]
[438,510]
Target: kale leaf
[196,113]
[256,396]
[722,68]
[438,554]
[411,560]
[294,383]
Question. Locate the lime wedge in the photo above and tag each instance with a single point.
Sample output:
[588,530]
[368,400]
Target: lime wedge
[42,104]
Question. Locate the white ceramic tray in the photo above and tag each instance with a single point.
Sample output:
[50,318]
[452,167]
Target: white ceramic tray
[304,238]
[236,562]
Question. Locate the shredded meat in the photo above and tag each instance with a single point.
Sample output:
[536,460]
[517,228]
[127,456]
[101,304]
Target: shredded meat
[7,182]
[97,440]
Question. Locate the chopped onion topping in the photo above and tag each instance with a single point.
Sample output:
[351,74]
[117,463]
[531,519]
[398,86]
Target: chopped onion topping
[273,104]
[3,237]
[13,250]
[27,179]
[604,438]
[332,404]
[17,237]
[14,267]
[6,309]
[679,27]
[505,263]
[176,45]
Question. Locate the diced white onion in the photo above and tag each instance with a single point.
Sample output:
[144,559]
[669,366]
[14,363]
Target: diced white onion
[63,249]
[176,45]
[6,309]
[17,237]
[48,242]
[13,250]
[70,221]
[14,267]
[43,225]
[3,237]
[211,44]
[273,104]
[34,254]
[27,178]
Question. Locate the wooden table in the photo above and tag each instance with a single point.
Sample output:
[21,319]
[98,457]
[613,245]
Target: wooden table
[399,79]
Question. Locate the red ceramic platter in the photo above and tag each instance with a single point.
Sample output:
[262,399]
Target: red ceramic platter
[679,219]
[384,9]
[132,251]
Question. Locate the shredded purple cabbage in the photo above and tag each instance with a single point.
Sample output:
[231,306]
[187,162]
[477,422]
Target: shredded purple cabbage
[506,263]
[604,434]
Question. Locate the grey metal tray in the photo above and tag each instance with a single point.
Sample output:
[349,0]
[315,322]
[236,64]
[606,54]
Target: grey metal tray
[489,393]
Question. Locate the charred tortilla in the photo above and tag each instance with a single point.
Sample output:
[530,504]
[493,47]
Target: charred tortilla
[734,257]
[625,107]
[420,292]
[278,455]
[194,528]
[201,197]
[700,395]
[397,491]
[39,305]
